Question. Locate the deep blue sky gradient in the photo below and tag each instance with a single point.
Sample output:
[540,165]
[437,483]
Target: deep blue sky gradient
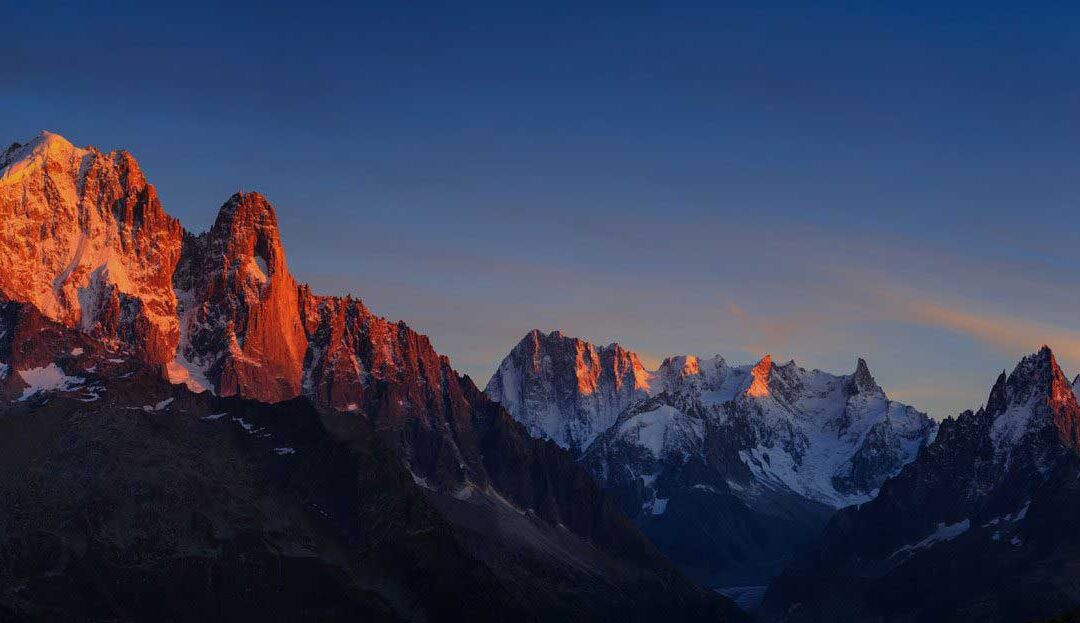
[821,182]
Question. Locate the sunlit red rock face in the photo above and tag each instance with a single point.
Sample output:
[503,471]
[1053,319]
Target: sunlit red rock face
[350,347]
[84,239]
[240,306]
[759,387]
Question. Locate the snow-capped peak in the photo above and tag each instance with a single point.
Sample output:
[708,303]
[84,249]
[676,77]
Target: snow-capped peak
[566,389]
[685,365]
[20,160]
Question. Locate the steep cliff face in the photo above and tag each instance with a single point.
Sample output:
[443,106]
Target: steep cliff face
[240,306]
[84,239]
[568,390]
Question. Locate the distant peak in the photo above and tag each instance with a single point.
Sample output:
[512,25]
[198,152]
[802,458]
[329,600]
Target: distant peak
[759,386]
[51,144]
[1042,361]
[247,203]
[246,233]
[1035,376]
[538,339]
[248,211]
[46,146]
[1038,389]
[999,395]
[862,381]
[682,365]
[51,138]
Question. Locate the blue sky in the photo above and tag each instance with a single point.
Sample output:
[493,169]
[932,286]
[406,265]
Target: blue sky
[819,182]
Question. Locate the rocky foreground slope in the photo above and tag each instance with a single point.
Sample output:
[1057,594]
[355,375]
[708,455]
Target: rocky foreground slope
[729,469]
[146,476]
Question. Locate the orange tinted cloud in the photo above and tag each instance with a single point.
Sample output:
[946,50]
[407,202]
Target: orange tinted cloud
[1002,332]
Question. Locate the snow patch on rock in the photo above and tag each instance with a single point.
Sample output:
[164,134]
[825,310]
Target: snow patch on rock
[47,378]
[160,406]
[944,532]
[181,370]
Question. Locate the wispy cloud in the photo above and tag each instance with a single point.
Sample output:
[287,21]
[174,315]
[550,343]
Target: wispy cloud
[1002,332]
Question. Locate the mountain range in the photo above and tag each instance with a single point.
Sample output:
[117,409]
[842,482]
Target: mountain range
[846,505]
[189,433]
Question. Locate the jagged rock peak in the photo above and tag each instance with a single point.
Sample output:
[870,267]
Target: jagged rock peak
[681,365]
[1034,399]
[246,233]
[862,381]
[760,375]
[999,395]
[566,389]
[590,361]
[1035,376]
[247,208]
